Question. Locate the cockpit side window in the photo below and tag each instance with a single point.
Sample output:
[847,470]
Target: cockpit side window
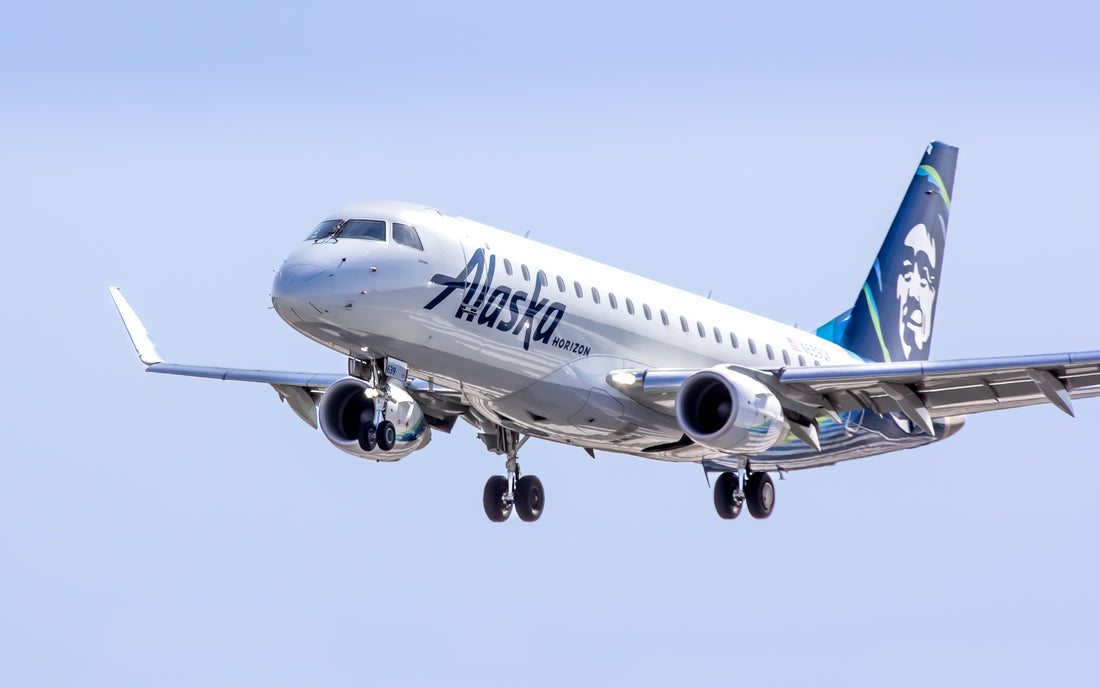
[323,230]
[406,236]
[364,229]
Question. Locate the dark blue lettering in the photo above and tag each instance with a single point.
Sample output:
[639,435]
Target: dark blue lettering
[549,322]
[513,306]
[490,312]
[450,284]
[488,303]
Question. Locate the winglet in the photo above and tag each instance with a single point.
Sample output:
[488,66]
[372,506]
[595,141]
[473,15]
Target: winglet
[138,334]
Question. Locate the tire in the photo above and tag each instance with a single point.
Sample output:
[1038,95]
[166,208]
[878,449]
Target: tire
[530,498]
[726,502]
[387,435]
[368,436]
[493,499]
[760,495]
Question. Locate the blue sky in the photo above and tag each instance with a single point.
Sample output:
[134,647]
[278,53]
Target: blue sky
[189,532]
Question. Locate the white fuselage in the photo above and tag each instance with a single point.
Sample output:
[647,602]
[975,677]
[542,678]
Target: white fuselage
[526,332]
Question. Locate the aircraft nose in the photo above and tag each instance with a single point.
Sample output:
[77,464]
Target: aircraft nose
[293,279]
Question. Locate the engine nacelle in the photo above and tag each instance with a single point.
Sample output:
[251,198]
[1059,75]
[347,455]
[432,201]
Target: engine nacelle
[730,412]
[341,410]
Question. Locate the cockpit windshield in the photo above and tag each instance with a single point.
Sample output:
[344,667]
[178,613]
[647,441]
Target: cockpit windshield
[364,229]
[323,230]
[342,229]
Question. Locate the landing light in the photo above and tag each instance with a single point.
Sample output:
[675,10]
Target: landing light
[624,378]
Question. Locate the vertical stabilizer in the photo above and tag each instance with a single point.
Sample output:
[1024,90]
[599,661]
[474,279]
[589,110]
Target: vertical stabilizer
[893,315]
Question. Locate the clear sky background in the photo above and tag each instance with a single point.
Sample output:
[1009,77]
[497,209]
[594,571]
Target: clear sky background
[174,532]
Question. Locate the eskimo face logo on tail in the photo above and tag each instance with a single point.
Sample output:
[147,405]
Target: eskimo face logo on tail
[499,307]
[916,289]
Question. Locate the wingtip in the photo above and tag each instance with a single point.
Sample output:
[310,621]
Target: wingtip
[139,336]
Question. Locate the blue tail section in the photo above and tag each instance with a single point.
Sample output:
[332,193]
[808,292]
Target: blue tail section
[894,311]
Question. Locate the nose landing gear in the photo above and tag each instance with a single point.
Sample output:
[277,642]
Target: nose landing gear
[374,430]
[387,435]
[368,433]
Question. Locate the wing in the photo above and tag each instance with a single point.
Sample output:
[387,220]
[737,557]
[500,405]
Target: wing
[301,391]
[919,390]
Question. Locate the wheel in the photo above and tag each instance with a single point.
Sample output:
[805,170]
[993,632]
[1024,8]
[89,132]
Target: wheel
[760,494]
[530,498]
[387,435]
[368,435]
[496,487]
[726,502]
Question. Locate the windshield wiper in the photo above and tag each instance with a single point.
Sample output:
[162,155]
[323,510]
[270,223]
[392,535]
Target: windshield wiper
[333,233]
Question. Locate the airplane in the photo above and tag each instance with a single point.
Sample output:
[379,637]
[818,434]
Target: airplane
[442,318]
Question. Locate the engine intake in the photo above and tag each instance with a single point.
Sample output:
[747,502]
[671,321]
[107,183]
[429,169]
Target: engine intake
[342,407]
[730,412]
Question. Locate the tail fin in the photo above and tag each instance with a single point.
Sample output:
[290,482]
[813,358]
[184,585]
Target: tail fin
[893,314]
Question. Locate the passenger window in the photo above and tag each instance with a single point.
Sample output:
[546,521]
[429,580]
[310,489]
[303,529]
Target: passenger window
[817,362]
[406,236]
[507,267]
[613,301]
[647,311]
[684,323]
[561,284]
[702,330]
[733,340]
[630,306]
[578,289]
[595,295]
[801,360]
[323,230]
[664,317]
[542,278]
[717,335]
[526,273]
[374,230]
[771,352]
[752,346]
[786,357]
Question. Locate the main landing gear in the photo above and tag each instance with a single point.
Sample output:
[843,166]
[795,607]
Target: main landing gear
[758,493]
[503,493]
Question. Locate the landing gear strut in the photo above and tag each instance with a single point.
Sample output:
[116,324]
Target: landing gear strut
[523,492]
[758,493]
